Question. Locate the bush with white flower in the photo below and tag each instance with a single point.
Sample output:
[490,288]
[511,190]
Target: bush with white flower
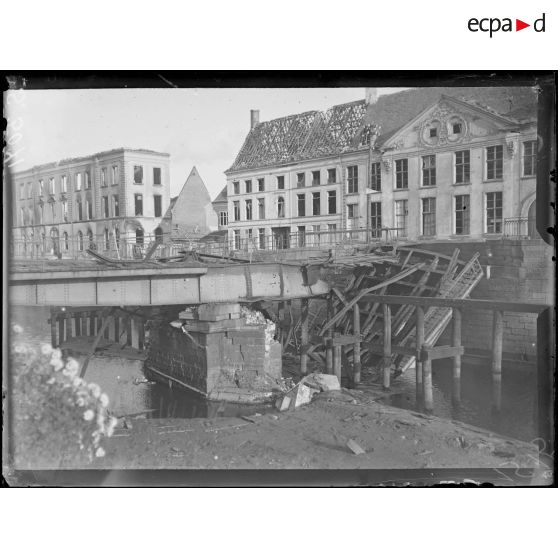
[58,418]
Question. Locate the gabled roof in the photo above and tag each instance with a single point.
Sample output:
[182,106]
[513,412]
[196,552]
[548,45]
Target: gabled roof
[222,196]
[347,127]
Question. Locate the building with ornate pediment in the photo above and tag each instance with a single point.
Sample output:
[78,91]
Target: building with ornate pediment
[422,164]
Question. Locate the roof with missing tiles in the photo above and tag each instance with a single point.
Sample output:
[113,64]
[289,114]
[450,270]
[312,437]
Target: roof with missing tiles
[347,127]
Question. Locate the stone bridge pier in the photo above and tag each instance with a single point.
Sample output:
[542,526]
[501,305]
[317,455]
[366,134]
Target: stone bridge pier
[220,350]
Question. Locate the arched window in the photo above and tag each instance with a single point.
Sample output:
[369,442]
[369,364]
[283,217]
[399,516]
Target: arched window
[117,236]
[80,241]
[107,240]
[139,236]
[158,235]
[65,241]
[280,207]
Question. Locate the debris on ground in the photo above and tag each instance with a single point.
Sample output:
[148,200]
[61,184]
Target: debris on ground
[354,447]
[322,382]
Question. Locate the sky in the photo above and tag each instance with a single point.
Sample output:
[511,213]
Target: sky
[198,127]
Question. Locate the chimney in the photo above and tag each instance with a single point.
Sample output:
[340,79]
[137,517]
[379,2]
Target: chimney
[371,95]
[254,118]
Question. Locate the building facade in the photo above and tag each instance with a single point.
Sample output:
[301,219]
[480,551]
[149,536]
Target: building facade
[419,165]
[221,209]
[107,200]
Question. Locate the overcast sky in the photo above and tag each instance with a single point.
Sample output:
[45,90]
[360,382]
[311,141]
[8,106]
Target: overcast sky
[201,127]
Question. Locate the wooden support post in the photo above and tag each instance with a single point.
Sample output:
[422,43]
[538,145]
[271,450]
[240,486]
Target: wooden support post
[428,395]
[497,343]
[387,345]
[116,328]
[92,328]
[107,319]
[83,320]
[141,334]
[303,336]
[128,322]
[281,317]
[77,322]
[418,344]
[70,325]
[61,323]
[329,336]
[337,361]
[356,346]
[53,329]
[456,342]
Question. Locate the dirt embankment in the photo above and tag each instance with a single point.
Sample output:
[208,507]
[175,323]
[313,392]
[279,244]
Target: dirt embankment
[314,436]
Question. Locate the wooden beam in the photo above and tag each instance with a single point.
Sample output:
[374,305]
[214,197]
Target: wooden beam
[303,336]
[387,346]
[427,396]
[440,351]
[418,345]
[329,346]
[461,303]
[456,371]
[356,346]
[497,344]
[105,317]
[378,348]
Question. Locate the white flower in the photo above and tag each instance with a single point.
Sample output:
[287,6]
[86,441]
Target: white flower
[46,349]
[20,349]
[17,329]
[88,415]
[56,354]
[77,382]
[104,399]
[113,421]
[72,365]
[51,381]
[95,389]
[80,402]
[56,363]
[100,452]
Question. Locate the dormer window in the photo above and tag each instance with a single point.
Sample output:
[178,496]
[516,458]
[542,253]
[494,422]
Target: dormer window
[433,132]
[457,128]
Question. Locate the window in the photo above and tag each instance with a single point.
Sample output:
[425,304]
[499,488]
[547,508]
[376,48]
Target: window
[51,186]
[316,234]
[462,167]
[22,220]
[107,241]
[280,183]
[429,170]
[280,207]
[236,209]
[376,219]
[261,208]
[87,179]
[316,201]
[494,162]
[223,218]
[105,206]
[332,202]
[88,209]
[30,190]
[41,187]
[79,211]
[158,205]
[64,210]
[65,243]
[331,176]
[237,239]
[401,174]
[78,181]
[80,241]
[429,216]
[138,204]
[236,187]
[115,177]
[462,214]
[117,236]
[115,208]
[159,236]
[157,176]
[456,127]
[42,215]
[103,177]
[529,158]
[301,236]
[138,174]
[401,217]
[261,185]
[433,132]
[352,211]
[315,178]
[301,202]
[376,177]
[261,238]
[494,212]
[352,179]
[248,186]
[248,210]
[332,227]
[53,212]
[139,236]
[300,180]
[22,191]
[250,236]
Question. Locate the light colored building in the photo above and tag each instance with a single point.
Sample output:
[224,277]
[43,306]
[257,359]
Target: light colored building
[220,206]
[108,200]
[192,213]
[422,164]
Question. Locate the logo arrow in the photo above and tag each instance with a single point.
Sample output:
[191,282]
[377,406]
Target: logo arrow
[519,25]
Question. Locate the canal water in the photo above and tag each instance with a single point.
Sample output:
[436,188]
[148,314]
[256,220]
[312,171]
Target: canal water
[129,393]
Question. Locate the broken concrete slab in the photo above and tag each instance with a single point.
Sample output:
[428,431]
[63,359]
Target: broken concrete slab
[322,382]
[354,447]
